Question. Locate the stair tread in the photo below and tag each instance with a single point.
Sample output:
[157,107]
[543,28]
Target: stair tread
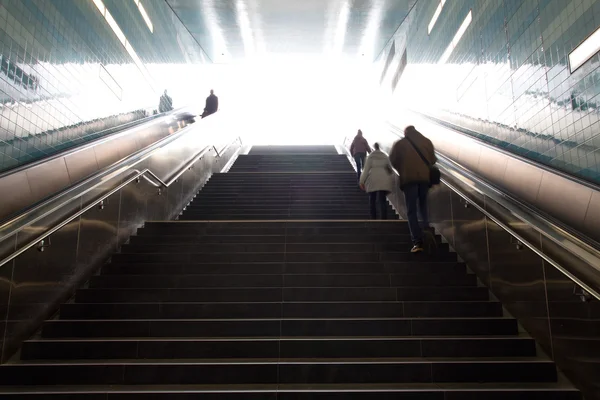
[285,338]
[290,319]
[185,361]
[400,387]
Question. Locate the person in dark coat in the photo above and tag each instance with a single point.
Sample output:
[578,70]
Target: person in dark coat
[212,105]
[165,104]
[359,149]
[414,180]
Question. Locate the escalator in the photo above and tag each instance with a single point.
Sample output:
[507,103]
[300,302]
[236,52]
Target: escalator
[43,170]
[258,290]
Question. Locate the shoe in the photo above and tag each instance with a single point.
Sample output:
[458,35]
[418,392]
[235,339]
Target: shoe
[417,248]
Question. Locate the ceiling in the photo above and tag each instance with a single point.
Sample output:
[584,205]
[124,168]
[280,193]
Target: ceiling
[233,30]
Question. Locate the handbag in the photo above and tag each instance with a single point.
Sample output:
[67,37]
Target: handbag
[434,172]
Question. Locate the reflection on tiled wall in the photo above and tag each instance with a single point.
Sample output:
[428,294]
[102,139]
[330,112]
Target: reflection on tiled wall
[507,80]
[65,73]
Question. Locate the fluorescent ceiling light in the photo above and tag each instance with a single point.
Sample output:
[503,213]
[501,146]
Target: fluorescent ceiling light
[586,50]
[140,7]
[461,31]
[436,14]
[123,39]
[115,27]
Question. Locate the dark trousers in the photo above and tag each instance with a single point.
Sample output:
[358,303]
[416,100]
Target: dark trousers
[415,196]
[378,197]
[359,158]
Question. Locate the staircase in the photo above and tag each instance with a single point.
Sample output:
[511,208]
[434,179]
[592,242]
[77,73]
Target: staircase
[273,285]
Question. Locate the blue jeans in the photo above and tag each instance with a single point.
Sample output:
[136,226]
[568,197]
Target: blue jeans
[415,196]
[359,158]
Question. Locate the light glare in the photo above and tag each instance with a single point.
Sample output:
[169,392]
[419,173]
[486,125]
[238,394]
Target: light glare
[586,50]
[436,14]
[145,15]
[121,36]
[459,34]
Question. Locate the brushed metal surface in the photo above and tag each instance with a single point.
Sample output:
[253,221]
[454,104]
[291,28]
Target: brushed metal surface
[518,280]
[42,184]
[560,196]
[492,165]
[441,212]
[35,283]
[591,223]
[469,155]
[523,180]
[40,282]
[16,193]
[127,146]
[30,185]
[98,237]
[519,178]
[81,164]
[107,154]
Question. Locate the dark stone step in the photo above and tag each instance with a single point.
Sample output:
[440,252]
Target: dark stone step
[274,348]
[189,228]
[273,372]
[302,196]
[199,247]
[280,280]
[277,327]
[279,209]
[267,239]
[310,392]
[265,217]
[321,224]
[468,293]
[279,310]
[426,268]
[229,215]
[286,257]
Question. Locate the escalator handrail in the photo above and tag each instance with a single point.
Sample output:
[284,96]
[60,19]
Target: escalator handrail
[547,228]
[137,174]
[461,131]
[544,226]
[120,130]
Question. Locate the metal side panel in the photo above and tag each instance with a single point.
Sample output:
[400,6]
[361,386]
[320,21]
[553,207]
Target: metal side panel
[42,184]
[572,202]
[81,164]
[37,282]
[58,172]
[523,180]
[15,192]
[591,222]
[560,196]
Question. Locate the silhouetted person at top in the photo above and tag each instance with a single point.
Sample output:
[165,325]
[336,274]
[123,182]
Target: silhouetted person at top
[359,149]
[212,104]
[165,104]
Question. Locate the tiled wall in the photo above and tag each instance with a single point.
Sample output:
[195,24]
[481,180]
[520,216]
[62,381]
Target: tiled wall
[507,80]
[63,66]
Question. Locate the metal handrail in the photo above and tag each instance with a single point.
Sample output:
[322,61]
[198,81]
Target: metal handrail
[536,221]
[96,202]
[136,157]
[461,131]
[541,224]
[120,130]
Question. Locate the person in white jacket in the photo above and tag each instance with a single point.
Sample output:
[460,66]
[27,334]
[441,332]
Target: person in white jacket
[377,179]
